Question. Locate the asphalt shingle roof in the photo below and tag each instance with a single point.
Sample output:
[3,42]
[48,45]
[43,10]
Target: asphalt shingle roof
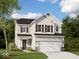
[24,21]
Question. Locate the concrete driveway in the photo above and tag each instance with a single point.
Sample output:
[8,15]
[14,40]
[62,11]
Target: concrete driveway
[61,55]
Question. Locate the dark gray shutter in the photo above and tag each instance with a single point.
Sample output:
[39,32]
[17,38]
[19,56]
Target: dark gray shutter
[51,28]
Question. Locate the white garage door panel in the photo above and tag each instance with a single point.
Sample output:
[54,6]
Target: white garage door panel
[49,46]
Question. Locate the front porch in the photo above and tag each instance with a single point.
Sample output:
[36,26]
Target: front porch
[26,44]
[25,41]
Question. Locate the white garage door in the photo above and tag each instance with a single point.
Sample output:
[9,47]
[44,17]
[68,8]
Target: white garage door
[50,46]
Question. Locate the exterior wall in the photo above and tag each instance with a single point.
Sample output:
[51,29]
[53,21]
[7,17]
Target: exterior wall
[17,40]
[19,43]
[16,34]
[32,30]
[47,21]
[19,28]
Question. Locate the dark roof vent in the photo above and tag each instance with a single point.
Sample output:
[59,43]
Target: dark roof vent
[48,14]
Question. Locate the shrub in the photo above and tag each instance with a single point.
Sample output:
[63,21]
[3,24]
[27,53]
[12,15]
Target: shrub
[12,47]
[71,43]
[31,49]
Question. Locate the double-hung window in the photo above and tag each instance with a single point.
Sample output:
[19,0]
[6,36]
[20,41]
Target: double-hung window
[38,28]
[57,28]
[24,29]
[47,28]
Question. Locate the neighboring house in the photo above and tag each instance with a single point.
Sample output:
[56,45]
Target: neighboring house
[43,34]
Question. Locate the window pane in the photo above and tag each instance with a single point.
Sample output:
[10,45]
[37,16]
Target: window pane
[23,29]
[56,28]
[48,28]
[45,28]
[29,41]
[39,28]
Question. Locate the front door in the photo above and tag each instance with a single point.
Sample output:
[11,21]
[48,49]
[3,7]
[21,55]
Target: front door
[24,44]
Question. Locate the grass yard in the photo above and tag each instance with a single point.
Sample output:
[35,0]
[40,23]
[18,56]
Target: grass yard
[75,52]
[24,55]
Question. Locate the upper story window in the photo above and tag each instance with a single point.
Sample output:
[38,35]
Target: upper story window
[57,28]
[44,28]
[24,29]
[47,28]
[38,28]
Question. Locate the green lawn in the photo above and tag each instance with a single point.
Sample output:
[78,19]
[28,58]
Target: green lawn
[75,52]
[24,55]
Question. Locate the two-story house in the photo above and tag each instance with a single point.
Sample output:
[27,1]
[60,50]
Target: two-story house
[42,34]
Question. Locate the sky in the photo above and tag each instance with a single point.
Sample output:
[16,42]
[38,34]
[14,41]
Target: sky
[58,8]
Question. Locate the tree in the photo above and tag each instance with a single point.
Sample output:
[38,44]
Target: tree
[70,29]
[10,27]
[2,44]
[6,8]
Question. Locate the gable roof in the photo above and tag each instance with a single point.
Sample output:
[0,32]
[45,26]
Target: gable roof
[29,21]
[57,21]
[24,21]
